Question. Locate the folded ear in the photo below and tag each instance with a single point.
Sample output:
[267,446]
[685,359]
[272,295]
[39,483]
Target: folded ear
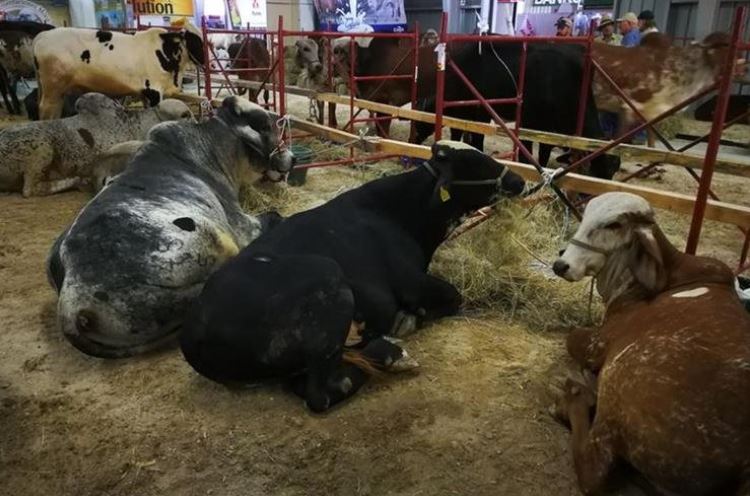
[194,44]
[250,137]
[647,265]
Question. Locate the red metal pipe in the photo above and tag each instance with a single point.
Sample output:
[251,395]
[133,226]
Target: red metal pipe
[474,103]
[352,88]
[713,144]
[206,67]
[519,94]
[412,129]
[282,75]
[329,34]
[383,77]
[585,81]
[440,79]
[495,38]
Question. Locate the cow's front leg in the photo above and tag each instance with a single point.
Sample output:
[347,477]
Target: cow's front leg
[593,453]
[429,298]
[375,307]
[50,105]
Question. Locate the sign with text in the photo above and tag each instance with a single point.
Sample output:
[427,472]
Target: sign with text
[164,7]
[548,3]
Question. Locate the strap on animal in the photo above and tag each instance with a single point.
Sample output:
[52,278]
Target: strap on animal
[589,247]
[479,182]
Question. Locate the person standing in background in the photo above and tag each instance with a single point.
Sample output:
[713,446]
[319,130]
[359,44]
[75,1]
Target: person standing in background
[564,27]
[631,35]
[607,33]
[646,23]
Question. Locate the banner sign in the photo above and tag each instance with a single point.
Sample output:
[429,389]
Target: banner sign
[164,7]
[363,16]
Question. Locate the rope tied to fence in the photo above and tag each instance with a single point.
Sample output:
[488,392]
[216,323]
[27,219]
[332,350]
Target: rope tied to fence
[206,109]
[284,125]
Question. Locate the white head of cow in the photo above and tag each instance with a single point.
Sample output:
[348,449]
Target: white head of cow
[615,242]
[256,129]
[307,55]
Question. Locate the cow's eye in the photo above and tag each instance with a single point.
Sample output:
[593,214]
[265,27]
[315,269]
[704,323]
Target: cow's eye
[613,225]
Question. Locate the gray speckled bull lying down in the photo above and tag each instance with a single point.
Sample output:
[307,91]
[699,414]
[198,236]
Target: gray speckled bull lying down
[140,251]
[46,157]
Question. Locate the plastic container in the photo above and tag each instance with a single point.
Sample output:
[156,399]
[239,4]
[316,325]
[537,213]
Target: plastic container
[303,154]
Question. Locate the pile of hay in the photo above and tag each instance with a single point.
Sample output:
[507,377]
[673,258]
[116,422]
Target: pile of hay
[490,269]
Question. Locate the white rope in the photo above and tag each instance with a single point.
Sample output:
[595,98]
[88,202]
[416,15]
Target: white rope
[549,177]
[313,110]
[284,124]
[206,108]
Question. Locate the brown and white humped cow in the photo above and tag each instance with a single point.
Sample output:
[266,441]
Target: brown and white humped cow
[657,76]
[672,358]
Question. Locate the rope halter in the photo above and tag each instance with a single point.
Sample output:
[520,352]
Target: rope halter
[479,182]
[589,247]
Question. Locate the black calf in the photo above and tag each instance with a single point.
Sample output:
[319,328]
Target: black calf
[290,302]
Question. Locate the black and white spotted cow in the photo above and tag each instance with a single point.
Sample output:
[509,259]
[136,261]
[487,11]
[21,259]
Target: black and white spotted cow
[139,252]
[148,64]
[292,303]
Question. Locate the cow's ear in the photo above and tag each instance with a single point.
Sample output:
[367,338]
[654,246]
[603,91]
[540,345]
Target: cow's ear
[194,44]
[648,263]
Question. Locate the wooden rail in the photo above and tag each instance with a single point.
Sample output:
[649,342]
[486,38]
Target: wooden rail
[676,202]
[579,143]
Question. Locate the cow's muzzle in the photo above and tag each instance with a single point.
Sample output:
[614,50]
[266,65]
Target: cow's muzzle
[280,162]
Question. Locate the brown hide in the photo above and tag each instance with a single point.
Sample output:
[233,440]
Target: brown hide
[656,75]
[674,384]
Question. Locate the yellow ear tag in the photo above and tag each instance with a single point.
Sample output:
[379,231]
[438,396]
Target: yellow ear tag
[444,194]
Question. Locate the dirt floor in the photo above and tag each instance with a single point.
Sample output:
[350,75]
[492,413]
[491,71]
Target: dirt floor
[473,420]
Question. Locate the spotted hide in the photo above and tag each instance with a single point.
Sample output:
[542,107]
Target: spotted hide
[149,64]
[657,77]
[140,251]
[672,357]
[46,157]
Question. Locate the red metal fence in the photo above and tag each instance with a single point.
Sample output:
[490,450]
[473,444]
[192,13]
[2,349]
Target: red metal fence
[591,67]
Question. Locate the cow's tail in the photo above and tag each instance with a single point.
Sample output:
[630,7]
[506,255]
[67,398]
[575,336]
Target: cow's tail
[362,362]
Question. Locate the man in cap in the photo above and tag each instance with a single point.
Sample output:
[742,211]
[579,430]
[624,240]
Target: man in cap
[564,27]
[646,23]
[607,33]
[631,35]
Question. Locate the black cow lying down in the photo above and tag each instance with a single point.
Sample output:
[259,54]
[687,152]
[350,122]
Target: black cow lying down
[285,306]
[140,251]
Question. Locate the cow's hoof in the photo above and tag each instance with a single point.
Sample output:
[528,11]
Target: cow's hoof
[404,363]
[404,324]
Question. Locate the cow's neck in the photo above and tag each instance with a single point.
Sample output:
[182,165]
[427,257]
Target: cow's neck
[420,213]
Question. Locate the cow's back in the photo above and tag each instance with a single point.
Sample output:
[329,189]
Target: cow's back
[114,63]
[674,374]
